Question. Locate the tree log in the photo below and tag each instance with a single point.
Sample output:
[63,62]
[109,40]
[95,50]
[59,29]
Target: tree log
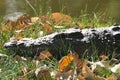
[83,41]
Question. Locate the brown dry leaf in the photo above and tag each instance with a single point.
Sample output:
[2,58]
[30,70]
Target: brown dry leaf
[17,57]
[86,72]
[44,19]
[78,62]
[103,57]
[43,75]
[13,24]
[99,78]
[44,55]
[81,77]
[23,19]
[59,18]
[114,61]
[112,77]
[22,26]
[67,68]
[24,70]
[63,75]
[65,61]
[23,79]
[47,27]
[34,19]
[118,78]
[81,25]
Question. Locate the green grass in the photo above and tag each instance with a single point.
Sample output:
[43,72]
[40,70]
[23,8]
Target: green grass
[11,69]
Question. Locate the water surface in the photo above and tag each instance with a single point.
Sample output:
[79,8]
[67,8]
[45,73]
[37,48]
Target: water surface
[110,8]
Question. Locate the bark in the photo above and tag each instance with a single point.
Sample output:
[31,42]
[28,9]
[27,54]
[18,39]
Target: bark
[84,41]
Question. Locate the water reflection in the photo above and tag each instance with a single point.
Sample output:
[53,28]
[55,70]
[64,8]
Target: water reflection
[109,8]
[11,6]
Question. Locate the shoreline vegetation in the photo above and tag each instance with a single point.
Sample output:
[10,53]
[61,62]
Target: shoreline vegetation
[46,66]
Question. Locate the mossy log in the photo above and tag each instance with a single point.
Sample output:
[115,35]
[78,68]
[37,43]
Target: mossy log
[100,40]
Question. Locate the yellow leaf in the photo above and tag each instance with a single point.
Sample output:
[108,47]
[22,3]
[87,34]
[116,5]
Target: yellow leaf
[65,61]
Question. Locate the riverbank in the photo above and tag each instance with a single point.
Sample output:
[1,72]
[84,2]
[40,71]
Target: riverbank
[46,66]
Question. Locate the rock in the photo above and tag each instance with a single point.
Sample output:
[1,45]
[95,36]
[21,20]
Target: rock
[100,40]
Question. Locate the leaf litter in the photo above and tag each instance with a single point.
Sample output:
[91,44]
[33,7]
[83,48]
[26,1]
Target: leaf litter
[69,67]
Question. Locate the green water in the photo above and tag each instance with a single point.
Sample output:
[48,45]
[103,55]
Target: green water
[108,8]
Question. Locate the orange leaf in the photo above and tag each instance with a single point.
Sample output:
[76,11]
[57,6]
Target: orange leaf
[44,19]
[65,61]
[21,26]
[44,55]
[59,18]
[47,27]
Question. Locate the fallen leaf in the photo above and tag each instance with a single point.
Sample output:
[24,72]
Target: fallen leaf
[43,74]
[64,75]
[22,26]
[65,61]
[99,78]
[103,57]
[86,72]
[59,18]
[114,61]
[24,70]
[34,19]
[81,25]
[44,19]
[118,78]
[112,77]
[78,63]
[17,57]
[81,77]
[23,19]
[44,55]
[47,27]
